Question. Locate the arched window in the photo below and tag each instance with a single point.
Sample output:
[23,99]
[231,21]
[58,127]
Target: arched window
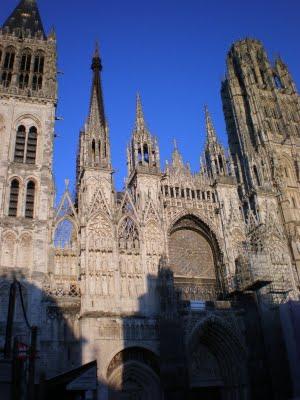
[140,155]
[8,66]
[278,83]
[26,144]
[25,69]
[65,236]
[38,70]
[146,153]
[257,180]
[93,151]
[20,144]
[31,145]
[128,236]
[221,163]
[13,198]
[29,205]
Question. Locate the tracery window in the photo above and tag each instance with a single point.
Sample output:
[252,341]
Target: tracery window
[14,198]
[25,69]
[29,204]
[8,66]
[128,235]
[26,145]
[38,70]
[65,236]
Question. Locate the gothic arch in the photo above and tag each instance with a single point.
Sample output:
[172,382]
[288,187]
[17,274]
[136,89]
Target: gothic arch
[129,235]
[134,371]
[100,233]
[288,169]
[25,251]
[153,237]
[28,120]
[223,342]
[65,233]
[197,234]
[196,214]
[9,242]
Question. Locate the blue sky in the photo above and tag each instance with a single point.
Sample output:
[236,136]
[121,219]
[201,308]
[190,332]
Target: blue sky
[171,51]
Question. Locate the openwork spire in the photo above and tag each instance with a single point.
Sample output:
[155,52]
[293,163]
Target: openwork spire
[96,119]
[25,18]
[210,130]
[140,125]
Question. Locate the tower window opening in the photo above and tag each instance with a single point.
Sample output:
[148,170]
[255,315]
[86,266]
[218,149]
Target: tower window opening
[20,144]
[24,70]
[221,163]
[193,194]
[13,198]
[93,151]
[140,155]
[217,166]
[30,194]
[177,192]
[208,195]
[198,195]
[278,83]
[257,180]
[146,153]
[8,66]
[31,145]
[38,69]
[182,193]
[172,192]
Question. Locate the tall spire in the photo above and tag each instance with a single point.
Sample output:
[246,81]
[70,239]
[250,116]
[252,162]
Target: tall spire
[214,151]
[96,118]
[140,125]
[24,18]
[210,130]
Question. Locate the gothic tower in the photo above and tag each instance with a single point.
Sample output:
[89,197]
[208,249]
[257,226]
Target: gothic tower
[27,114]
[143,161]
[261,107]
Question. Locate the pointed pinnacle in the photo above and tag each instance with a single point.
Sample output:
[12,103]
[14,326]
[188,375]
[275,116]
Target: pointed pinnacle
[96,52]
[139,117]
[210,130]
[96,62]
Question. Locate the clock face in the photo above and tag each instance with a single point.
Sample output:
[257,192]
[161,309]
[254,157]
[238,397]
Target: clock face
[191,254]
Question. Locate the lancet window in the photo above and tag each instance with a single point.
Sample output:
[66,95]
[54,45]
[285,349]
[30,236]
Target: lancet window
[30,195]
[65,236]
[25,69]
[8,65]
[14,198]
[26,145]
[38,71]
[128,236]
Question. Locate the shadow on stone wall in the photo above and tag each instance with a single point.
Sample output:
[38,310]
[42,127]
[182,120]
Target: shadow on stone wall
[170,353]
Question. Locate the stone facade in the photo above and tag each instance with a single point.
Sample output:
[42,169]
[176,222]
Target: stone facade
[164,284]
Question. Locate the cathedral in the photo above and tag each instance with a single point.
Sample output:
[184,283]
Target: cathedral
[184,285]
